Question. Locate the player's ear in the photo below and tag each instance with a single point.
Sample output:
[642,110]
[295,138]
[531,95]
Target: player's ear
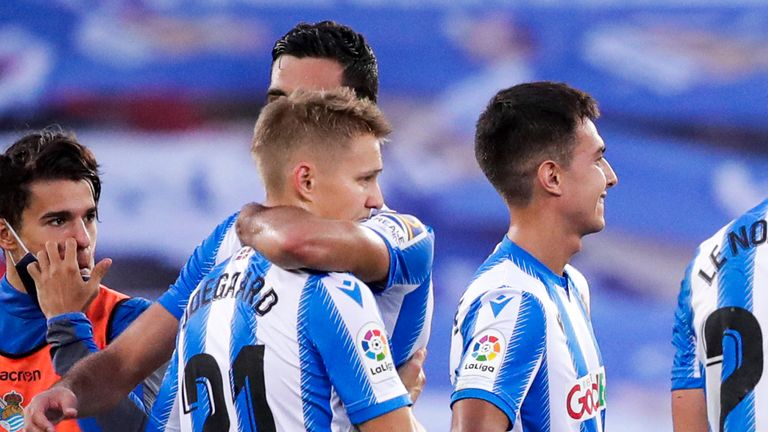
[7,240]
[550,177]
[304,178]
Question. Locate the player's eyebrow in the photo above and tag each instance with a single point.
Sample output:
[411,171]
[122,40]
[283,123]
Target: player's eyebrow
[61,214]
[371,172]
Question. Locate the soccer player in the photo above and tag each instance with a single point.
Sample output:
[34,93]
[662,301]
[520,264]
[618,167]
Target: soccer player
[279,349]
[49,194]
[523,354]
[718,379]
[317,56]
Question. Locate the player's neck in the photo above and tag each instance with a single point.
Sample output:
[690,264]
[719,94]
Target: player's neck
[544,237]
[275,200]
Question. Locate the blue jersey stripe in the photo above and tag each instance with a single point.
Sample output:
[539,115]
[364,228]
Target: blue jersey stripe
[161,410]
[410,323]
[574,349]
[525,350]
[315,386]
[684,366]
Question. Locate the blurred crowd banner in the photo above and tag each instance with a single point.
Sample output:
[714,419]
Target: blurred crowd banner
[662,60]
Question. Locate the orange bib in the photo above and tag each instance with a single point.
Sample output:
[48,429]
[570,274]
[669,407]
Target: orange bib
[24,376]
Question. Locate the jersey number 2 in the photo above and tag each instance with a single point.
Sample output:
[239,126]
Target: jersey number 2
[247,374]
[741,325]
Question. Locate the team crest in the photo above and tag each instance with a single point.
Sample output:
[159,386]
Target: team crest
[487,351]
[373,346]
[11,411]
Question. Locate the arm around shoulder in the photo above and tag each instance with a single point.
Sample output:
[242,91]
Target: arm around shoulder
[294,238]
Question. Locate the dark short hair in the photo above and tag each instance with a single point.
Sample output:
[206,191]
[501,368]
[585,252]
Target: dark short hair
[48,154]
[525,125]
[330,40]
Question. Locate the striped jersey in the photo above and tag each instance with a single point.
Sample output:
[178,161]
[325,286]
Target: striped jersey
[405,299]
[523,341]
[265,349]
[719,325]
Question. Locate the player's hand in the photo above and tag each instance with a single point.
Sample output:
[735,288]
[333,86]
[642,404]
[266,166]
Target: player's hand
[60,286]
[245,228]
[49,408]
[412,374]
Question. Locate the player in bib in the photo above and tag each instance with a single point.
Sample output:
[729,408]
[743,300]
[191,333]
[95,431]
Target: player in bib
[262,348]
[53,310]
[523,354]
[718,375]
[324,55]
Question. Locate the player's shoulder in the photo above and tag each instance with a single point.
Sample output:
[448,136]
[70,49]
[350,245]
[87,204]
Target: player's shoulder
[342,289]
[403,229]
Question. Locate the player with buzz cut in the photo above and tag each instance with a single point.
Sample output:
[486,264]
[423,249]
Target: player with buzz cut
[262,348]
[391,252]
[721,346]
[523,354]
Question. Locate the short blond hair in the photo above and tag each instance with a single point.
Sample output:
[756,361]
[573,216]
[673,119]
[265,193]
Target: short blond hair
[326,120]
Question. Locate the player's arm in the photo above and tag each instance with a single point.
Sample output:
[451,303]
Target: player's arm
[71,339]
[100,381]
[294,238]
[689,411]
[400,419]
[477,415]
[349,336]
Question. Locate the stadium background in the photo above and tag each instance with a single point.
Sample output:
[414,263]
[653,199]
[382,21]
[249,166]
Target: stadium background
[166,92]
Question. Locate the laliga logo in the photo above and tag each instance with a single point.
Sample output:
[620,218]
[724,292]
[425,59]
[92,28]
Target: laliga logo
[486,349]
[374,344]
[587,397]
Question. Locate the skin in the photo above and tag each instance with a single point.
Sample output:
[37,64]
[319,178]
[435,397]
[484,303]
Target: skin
[568,203]
[59,227]
[689,411]
[150,340]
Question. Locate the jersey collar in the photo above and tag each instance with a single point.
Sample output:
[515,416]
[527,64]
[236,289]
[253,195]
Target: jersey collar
[532,265]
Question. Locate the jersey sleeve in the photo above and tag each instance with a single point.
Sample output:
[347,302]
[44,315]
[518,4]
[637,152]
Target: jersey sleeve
[411,247]
[502,349]
[348,333]
[686,369]
[222,242]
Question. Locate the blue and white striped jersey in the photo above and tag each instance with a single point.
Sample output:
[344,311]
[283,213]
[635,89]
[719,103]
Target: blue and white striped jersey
[405,300]
[718,332]
[265,349]
[523,341]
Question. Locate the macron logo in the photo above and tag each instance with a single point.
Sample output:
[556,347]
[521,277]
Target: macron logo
[499,303]
[352,290]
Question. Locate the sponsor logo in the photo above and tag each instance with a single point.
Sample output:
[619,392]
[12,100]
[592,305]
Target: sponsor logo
[11,411]
[487,353]
[373,345]
[21,376]
[586,398]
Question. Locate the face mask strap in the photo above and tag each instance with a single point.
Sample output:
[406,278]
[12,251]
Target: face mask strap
[18,239]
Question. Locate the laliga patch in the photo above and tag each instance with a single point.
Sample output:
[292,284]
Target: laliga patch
[485,354]
[586,398]
[373,346]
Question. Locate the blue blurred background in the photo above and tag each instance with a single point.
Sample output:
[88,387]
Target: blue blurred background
[166,93]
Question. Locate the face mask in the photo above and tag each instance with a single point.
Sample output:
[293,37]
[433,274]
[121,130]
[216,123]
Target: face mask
[21,266]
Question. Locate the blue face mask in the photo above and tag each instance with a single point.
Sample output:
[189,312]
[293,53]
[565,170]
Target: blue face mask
[21,267]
